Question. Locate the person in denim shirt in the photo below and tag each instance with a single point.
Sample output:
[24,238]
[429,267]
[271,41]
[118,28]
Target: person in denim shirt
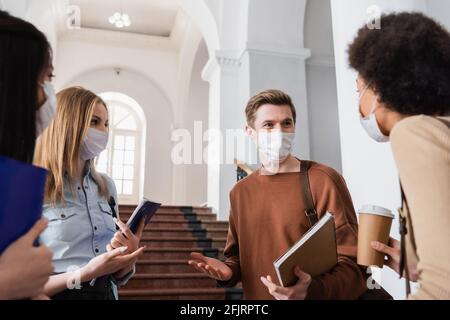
[90,257]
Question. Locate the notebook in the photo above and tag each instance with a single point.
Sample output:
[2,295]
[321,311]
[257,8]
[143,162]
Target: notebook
[21,199]
[315,253]
[145,210]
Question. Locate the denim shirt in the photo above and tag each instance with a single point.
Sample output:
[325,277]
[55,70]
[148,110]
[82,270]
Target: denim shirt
[80,228]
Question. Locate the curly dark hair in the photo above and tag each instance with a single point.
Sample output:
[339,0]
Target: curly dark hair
[406,62]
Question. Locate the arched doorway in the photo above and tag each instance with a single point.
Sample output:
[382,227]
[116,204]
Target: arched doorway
[123,158]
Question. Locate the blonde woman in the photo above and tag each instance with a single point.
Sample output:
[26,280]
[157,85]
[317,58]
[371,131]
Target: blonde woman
[90,257]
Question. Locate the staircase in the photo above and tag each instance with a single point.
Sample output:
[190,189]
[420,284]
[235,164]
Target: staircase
[163,273]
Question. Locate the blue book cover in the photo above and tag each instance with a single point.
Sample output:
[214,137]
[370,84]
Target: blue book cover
[21,199]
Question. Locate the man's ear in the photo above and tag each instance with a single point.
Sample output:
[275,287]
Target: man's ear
[249,130]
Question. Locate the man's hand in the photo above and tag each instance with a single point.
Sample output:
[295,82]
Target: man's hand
[296,292]
[392,252]
[214,268]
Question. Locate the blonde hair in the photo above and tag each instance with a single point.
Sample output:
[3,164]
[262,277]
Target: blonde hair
[58,148]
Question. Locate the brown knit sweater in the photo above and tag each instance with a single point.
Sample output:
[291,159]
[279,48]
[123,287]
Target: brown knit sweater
[267,217]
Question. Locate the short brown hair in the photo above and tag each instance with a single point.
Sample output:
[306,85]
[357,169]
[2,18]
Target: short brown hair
[274,97]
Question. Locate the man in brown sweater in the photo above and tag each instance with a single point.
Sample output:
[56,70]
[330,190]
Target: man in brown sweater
[267,215]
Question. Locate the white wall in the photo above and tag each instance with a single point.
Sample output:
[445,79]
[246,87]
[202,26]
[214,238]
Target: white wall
[269,55]
[196,181]
[84,50]
[440,10]
[277,57]
[168,67]
[323,115]
[205,14]
[321,85]
[17,8]
[44,14]
[148,75]
[154,65]
[157,176]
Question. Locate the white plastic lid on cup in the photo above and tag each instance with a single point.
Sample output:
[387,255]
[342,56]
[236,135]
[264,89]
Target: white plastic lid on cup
[377,210]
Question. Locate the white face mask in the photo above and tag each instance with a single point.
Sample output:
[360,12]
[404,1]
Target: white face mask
[274,146]
[47,111]
[94,143]
[370,123]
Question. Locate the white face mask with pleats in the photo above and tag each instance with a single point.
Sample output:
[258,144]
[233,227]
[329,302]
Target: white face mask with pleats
[274,146]
[94,143]
[47,111]
[370,123]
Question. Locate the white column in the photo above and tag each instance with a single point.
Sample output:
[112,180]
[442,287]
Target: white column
[226,111]
[276,57]
[233,79]
[261,48]
[284,69]
[368,167]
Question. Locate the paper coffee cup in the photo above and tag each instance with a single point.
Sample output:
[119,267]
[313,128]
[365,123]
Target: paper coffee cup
[374,225]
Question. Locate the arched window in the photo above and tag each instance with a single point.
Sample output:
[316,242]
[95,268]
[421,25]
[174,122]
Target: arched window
[122,160]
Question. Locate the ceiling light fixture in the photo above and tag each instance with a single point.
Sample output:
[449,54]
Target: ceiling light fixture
[120,20]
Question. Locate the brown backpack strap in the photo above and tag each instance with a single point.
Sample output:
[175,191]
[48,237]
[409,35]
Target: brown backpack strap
[444,121]
[310,209]
[403,265]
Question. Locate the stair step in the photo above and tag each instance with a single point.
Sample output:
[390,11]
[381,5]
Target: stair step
[163,271]
[172,213]
[181,294]
[185,232]
[180,253]
[170,281]
[164,266]
[178,216]
[183,242]
[170,223]
[165,209]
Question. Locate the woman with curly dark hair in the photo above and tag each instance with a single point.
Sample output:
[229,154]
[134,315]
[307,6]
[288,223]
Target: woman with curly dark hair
[404,86]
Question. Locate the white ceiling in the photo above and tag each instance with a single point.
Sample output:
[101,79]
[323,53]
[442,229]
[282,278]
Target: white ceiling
[148,17]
